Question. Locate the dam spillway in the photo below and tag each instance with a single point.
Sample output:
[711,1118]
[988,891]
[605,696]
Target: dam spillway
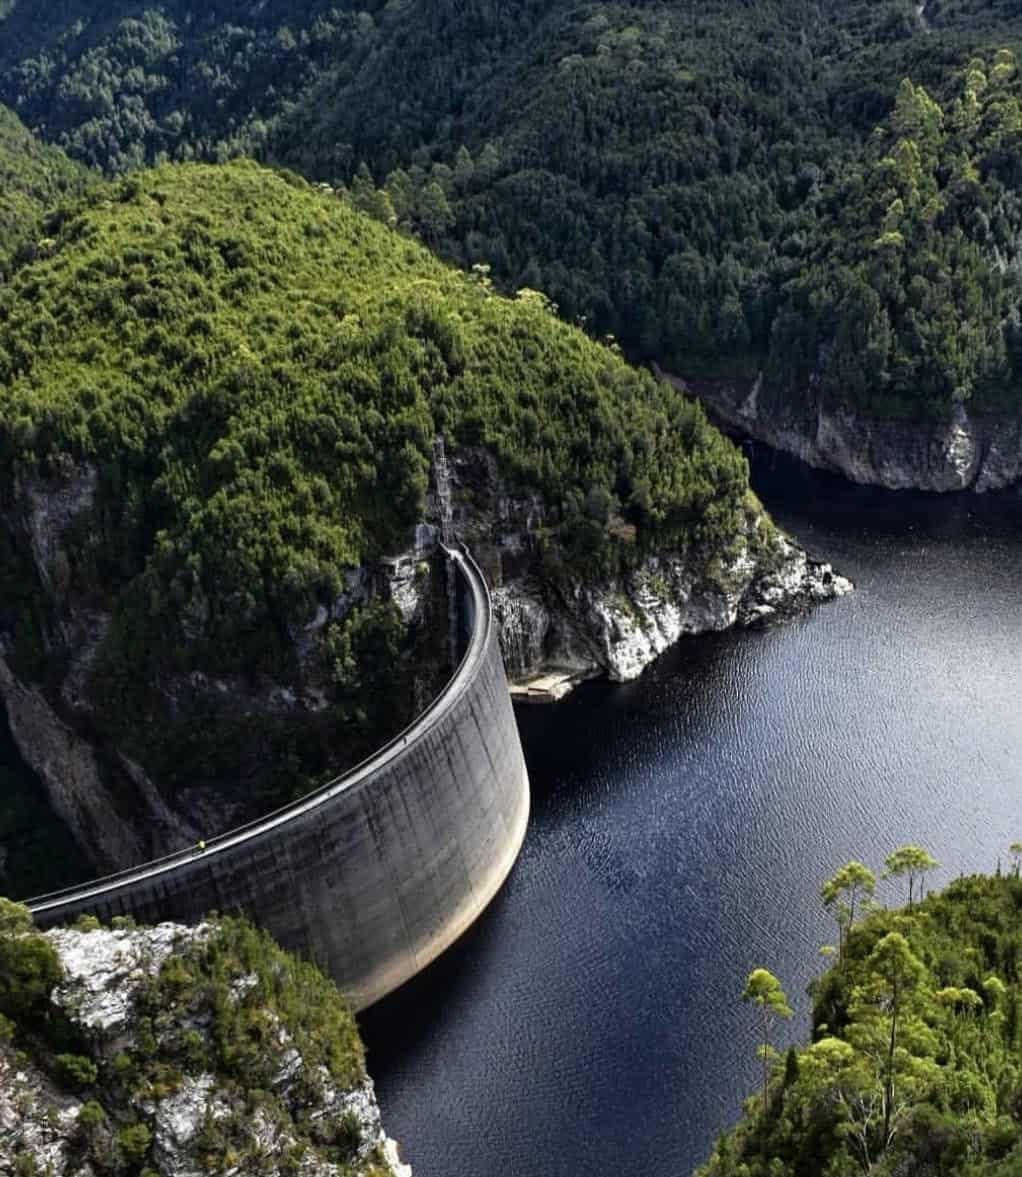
[374,874]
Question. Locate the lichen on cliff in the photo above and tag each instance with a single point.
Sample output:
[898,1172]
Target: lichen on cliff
[178,1051]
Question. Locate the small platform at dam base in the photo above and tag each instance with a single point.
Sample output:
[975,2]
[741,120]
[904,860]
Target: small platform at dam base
[549,686]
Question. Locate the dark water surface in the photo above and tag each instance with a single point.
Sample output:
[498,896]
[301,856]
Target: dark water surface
[590,1022]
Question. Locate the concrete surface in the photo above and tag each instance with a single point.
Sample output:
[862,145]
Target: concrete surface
[376,873]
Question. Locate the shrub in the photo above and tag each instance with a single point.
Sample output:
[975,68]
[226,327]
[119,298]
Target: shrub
[14,918]
[134,1141]
[25,1166]
[75,1071]
[29,969]
[91,1117]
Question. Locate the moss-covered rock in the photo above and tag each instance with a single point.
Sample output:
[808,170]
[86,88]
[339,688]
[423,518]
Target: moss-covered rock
[181,1051]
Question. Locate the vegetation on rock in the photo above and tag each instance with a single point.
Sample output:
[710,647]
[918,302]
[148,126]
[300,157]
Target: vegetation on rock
[217,1051]
[239,379]
[915,1065]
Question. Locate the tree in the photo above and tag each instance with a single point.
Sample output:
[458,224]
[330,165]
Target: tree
[1016,855]
[841,892]
[14,917]
[913,861]
[764,990]
[435,215]
[464,167]
[834,1074]
[897,972]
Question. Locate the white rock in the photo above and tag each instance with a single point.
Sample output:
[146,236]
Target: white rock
[178,1120]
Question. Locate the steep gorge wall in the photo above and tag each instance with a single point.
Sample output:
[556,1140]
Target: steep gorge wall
[559,618]
[977,453]
[375,874]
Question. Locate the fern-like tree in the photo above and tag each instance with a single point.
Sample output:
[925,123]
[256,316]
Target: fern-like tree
[913,861]
[840,893]
[764,990]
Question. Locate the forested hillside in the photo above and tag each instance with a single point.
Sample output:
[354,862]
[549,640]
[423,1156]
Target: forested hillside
[241,378]
[914,1067]
[683,176]
[906,301]
[33,177]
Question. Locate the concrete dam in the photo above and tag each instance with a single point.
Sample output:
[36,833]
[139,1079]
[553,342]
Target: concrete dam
[374,874]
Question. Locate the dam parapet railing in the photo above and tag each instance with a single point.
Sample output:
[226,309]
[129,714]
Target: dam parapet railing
[377,871]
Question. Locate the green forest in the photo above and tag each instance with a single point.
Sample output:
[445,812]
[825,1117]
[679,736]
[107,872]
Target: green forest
[915,1062]
[257,372]
[33,178]
[225,1007]
[722,187]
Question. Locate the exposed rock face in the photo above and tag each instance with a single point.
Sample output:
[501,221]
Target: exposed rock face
[620,625]
[115,809]
[104,970]
[963,453]
[120,815]
[78,784]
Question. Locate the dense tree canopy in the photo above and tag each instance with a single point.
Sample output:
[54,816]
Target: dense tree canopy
[906,300]
[914,1065]
[699,179]
[32,178]
[256,373]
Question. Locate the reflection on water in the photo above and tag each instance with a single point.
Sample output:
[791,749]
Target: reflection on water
[682,825]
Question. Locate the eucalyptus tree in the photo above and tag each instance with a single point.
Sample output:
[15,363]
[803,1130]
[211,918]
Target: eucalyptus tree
[897,972]
[1016,855]
[840,893]
[913,861]
[764,990]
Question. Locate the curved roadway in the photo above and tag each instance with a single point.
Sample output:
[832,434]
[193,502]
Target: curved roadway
[409,846]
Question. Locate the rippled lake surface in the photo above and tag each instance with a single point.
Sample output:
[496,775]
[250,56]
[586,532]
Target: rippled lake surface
[682,825]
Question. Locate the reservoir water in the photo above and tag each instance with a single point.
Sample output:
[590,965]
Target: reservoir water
[682,825]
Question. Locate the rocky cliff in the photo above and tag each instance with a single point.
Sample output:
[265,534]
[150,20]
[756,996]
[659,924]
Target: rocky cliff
[184,1051]
[125,795]
[978,453]
[554,616]
[119,786]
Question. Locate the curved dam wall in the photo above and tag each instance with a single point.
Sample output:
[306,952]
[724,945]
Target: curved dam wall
[376,873]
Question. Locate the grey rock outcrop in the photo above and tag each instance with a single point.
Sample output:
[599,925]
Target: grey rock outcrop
[619,625]
[962,453]
[118,813]
[122,816]
[104,971]
[77,782]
